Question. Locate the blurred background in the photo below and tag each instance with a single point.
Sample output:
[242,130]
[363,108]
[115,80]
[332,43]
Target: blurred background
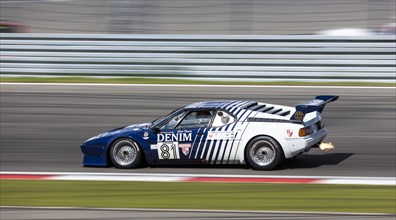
[250,40]
[293,41]
[224,17]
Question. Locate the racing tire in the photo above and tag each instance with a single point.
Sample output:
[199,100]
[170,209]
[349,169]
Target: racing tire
[125,154]
[263,153]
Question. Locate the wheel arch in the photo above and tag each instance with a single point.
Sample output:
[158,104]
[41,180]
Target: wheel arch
[108,159]
[257,136]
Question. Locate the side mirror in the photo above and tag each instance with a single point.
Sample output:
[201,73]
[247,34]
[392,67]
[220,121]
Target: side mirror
[156,129]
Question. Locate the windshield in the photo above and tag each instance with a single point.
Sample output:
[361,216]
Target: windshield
[158,120]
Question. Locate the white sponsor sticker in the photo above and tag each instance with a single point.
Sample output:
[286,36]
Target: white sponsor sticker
[153,146]
[221,135]
[168,150]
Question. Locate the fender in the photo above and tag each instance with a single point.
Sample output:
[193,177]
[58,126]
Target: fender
[143,144]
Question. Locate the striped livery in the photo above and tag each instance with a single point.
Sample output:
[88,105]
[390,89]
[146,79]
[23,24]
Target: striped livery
[215,132]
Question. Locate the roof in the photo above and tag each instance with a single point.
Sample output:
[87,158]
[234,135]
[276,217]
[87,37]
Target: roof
[239,107]
[210,104]
[221,104]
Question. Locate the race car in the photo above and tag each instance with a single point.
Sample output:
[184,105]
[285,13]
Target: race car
[214,132]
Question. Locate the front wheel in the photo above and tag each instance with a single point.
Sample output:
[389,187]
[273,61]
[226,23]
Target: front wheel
[263,153]
[125,153]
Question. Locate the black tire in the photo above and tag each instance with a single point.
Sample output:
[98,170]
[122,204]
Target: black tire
[263,153]
[125,154]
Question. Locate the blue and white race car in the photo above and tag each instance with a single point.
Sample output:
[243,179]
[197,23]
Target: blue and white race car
[215,132]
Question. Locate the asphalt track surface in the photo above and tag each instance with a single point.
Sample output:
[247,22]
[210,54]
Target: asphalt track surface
[11,213]
[42,126]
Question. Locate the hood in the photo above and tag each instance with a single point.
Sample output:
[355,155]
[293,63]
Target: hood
[134,127]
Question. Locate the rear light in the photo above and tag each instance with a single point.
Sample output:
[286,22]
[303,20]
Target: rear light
[305,131]
[319,125]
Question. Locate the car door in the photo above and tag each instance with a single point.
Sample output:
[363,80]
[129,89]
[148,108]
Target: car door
[179,140]
[221,139]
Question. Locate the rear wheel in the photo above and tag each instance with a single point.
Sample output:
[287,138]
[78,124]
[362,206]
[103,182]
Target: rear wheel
[125,153]
[263,153]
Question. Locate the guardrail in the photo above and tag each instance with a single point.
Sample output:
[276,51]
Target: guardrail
[228,57]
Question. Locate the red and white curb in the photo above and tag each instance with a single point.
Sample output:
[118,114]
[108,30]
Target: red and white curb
[156,177]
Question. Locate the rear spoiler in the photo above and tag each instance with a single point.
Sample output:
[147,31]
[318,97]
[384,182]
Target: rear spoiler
[316,104]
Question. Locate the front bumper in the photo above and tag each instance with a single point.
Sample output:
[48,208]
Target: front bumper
[94,155]
[304,144]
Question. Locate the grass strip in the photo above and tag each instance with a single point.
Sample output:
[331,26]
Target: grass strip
[177,195]
[179,81]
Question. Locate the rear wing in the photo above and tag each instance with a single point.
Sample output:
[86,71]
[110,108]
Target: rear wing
[316,104]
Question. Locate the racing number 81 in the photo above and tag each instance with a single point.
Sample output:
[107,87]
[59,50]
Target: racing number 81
[165,151]
[169,152]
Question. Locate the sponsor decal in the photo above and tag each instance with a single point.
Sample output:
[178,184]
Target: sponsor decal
[168,144]
[185,148]
[289,133]
[169,137]
[221,135]
[145,135]
[153,146]
[184,145]
[299,115]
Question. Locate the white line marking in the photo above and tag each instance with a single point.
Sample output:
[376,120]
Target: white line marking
[213,158]
[217,159]
[204,148]
[199,143]
[368,181]
[233,106]
[212,145]
[196,175]
[194,85]
[199,210]
[195,139]
[120,178]
[228,148]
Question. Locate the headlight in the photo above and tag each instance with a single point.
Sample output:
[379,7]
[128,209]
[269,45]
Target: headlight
[97,136]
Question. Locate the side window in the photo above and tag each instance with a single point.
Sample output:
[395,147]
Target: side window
[222,118]
[196,119]
[174,121]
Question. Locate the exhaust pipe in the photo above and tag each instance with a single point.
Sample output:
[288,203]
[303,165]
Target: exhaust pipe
[326,147]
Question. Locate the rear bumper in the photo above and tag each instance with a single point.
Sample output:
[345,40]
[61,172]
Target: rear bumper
[304,144]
